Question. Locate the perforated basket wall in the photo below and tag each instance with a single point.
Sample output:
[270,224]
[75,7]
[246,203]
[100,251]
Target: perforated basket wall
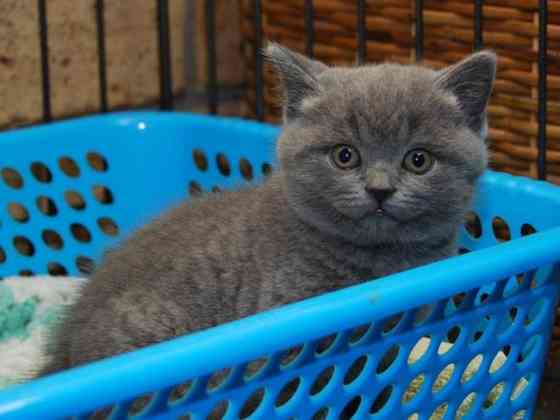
[462,338]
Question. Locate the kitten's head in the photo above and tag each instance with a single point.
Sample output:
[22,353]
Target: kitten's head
[383,153]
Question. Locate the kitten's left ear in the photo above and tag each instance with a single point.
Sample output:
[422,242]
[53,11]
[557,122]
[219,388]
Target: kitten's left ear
[471,81]
[298,75]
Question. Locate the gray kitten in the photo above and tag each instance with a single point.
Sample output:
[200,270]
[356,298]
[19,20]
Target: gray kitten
[377,168]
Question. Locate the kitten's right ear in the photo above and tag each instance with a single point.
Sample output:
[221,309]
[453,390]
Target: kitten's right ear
[298,75]
[471,81]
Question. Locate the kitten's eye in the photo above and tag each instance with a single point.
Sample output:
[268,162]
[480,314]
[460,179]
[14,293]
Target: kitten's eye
[418,161]
[345,157]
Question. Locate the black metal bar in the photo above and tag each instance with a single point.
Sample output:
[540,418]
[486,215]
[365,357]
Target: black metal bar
[102,56]
[543,90]
[44,43]
[478,28]
[362,31]
[259,74]
[309,22]
[419,30]
[212,84]
[166,83]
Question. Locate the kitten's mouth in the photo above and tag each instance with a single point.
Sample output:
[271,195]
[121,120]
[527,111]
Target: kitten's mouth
[380,212]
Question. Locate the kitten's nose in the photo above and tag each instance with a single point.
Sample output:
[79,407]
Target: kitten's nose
[381,194]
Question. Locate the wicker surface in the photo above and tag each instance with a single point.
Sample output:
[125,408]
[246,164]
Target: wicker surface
[510,28]
[131,47]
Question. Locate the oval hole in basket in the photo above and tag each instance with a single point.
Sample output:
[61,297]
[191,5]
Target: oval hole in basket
[439,412]
[443,378]
[24,246]
[448,342]
[180,391]
[473,226]
[472,368]
[266,169]
[195,189]
[423,313]
[18,212]
[246,169]
[200,160]
[499,359]
[322,380]
[477,335]
[254,367]
[462,250]
[74,199]
[108,226]
[414,388]
[69,166]
[355,370]
[419,350]
[12,178]
[494,395]
[325,344]
[56,269]
[223,164]
[52,239]
[97,162]
[287,392]
[85,265]
[217,379]
[388,358]
[521,386]
[139,405]
[381,400]
[102,194]
[351,408]
[466,406]
[46,206]
[252,404]
[80,232]
[26,273]
[2,255]
[219,411]
[520,415]
[358,333]
[321,414]
[501,229]
[289,356]
[392,323]
[527,229]
[41,172]
[102,413]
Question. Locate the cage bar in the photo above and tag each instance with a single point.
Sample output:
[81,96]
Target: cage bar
[212,84]
[478,28]
[309,22]
[259,73]
[542,87]
[419,29]
[44,44]
[361,13]
[101,53]
[166,84]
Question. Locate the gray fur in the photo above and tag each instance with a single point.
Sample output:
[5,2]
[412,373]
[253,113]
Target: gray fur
[311,228]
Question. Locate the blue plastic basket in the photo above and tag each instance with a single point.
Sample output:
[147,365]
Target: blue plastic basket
[71,189]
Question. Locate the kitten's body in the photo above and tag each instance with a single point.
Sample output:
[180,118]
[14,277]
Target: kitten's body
[232,270]
[310,228]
